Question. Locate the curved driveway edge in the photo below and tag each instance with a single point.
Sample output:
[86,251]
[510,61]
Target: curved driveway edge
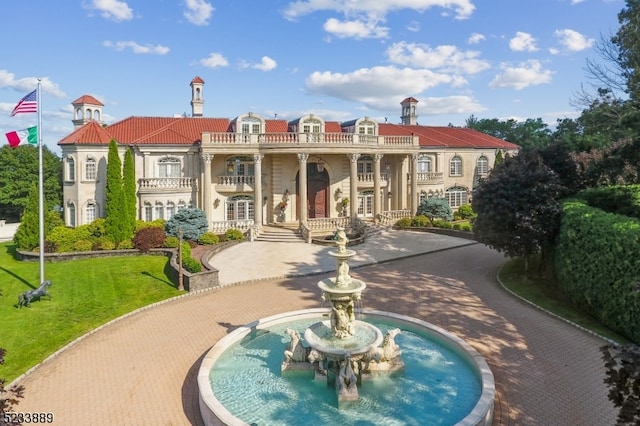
[141,370]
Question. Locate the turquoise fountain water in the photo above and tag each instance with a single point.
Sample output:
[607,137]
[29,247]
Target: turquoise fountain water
[344,371]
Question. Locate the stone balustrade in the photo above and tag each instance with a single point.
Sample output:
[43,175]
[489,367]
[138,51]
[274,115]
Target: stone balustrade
[167,183]
[220,227]
[370,178]
[390,217]
[236,180]
[307,138]
[430,177]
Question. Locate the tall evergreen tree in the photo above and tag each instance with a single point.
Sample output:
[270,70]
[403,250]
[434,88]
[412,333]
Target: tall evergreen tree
[27,235]
[115,224]
[129,193]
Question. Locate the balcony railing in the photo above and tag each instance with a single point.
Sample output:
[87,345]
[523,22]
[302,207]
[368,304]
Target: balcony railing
[236,180]
[167,183]
[370,178]
[222,226]
[286,138]
[429,177]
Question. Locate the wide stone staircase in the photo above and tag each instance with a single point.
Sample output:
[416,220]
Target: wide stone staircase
[280,234]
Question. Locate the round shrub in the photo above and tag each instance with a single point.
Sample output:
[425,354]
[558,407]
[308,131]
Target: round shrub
[62,238]
[125,245]
[191,265]
[104,244]
[171,242]
[82,245]
[465,211]
[209,238]
[233,235]
[405,222]
[148,238]
[421,221]
[442,224]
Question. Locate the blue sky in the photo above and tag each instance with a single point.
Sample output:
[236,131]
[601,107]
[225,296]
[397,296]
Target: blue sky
[341,59]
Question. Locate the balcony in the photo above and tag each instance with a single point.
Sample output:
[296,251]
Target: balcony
[241,183]
[266,140]
[367,179]
[171,184]
[428,178]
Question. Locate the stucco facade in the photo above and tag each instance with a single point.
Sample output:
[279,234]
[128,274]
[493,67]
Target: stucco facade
[251,171]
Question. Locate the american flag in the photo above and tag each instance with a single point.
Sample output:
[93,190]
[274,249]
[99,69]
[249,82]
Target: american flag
[26,104]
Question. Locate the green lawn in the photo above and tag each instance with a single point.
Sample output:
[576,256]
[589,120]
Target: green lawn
[85,294]
[544,293]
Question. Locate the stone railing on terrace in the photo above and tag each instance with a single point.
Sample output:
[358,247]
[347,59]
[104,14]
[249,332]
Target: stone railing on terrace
[222,226]
[323,226]
[167,183]
[236,180]
[369,178]
[430,177]
[390,217]
[307,138]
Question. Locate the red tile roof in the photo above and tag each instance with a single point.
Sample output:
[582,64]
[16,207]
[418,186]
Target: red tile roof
[197,79]
[188,131]
[409,99]
[446,137]
[87,99]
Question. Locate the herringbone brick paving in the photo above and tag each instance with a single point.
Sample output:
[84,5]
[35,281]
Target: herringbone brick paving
[141,370]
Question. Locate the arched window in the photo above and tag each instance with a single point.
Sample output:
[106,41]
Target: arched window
[148,212]
[365,164]
[171,209]
[169,168]
[365,203]
[159,210]
[424,164]
[97,115]
[71,214]
[240,207]
[71,169]
[90,169]
[482,165]
[455,166]
[240,166]
[456,196]
[90,213]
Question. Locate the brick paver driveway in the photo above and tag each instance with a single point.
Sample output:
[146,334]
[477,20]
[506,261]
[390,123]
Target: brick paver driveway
[142,370]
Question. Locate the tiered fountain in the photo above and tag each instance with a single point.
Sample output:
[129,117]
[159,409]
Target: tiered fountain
[436,378]
[342,349]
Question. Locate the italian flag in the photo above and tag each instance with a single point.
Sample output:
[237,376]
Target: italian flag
[17,137]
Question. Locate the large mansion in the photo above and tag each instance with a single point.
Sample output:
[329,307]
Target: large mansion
[251,171]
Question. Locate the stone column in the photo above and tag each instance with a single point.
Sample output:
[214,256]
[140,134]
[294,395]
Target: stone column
[206,188]
[403,187]
[257,191]
[302,182]
[376,186]
[414,184]
[353,189]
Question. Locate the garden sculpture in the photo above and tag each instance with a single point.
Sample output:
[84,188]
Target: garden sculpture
[25,298]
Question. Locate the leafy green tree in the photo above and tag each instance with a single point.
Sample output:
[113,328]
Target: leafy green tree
[623,378]
[27,236]
[499,158]
[435,208]
[532,133]
[517,206]
[19,171]
[115,223]
[129,193]
[192,221]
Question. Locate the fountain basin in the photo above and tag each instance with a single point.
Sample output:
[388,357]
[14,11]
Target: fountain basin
[214,412]
[320,337]
[328,285]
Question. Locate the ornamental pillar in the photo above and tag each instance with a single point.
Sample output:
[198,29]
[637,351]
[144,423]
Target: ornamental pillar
[376,186]
[302,183]
[257,191]
[353,188]
[414,184]
[206,188]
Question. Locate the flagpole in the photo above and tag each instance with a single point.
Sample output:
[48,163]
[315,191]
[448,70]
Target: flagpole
[40,184]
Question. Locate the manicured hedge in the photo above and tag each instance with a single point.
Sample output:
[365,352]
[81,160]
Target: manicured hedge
[620,199]
[597,262]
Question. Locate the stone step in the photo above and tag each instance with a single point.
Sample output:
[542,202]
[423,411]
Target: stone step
[276,234]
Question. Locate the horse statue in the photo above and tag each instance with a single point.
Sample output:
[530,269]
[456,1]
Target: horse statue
[347,378]
[317,356]
[25,298]
[387,352]
[296,352]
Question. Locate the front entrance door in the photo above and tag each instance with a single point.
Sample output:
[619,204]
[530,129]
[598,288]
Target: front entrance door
[317,191]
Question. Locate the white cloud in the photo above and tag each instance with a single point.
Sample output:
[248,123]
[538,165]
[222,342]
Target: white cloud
[450,105]
[114,10]
[355,29]
[576,1]
[526,74]
[136,47]
[198,12]
[414,26]
[523,42]
[27,84]
[475,38]
[375,86]
[267,64]
[214,60]
[573,40]
[445,57]
[462,8]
